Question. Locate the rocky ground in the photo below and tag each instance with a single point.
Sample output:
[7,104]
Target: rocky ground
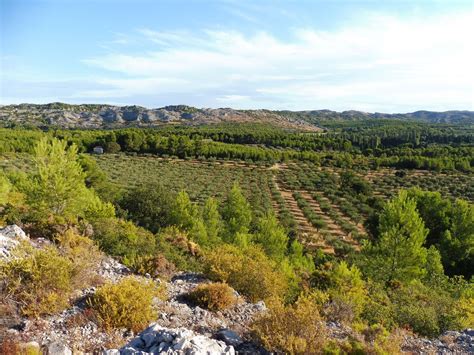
[180,328]
[100,116]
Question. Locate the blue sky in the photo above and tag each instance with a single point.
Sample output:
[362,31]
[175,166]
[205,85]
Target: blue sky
[386,56]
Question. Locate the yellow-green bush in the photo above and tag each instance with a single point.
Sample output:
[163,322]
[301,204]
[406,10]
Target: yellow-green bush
[84,256]
[464,308]
[39,280]
[248,271]
[379,340]
[214,296]
[293,329]
[123,239]
[126,304]
[347,284]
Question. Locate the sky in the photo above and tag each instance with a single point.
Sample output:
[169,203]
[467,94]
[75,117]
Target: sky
[374,56]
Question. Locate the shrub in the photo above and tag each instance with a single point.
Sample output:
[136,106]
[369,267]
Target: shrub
[84,256]
[378,307]
[248,271]
[379,340]
[123,239]
[376,340]
[149,206]
[39,280]
[154,265]
[175,245]
[294,329]
[213,296]
[127,304]
[464,308]
[347,291]
[427,311]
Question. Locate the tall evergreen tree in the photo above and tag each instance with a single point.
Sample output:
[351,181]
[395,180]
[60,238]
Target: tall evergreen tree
[56,190]
[212,219]
[272,236]
[399,253]
[184,211]
[237,213]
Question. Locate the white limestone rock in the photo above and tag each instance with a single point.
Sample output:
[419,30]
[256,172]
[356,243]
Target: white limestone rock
[10,237]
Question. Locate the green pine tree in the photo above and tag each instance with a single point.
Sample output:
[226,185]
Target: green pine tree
[212,219]
[272,236]
[237,213]
[184,211]
[398,254]
[56,190]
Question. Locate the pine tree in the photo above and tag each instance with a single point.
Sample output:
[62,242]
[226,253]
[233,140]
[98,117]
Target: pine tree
[347,286]
[56,191]
[457,245]
[272,236]
[212,219]
[236,213]
[398,254]
[184,211]
[298,259]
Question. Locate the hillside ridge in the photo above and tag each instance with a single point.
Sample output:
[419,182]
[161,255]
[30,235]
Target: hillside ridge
[110,116]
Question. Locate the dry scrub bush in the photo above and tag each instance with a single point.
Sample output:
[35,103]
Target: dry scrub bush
[154,265]
[213,296]
[84,255]
[374,340]
[379,340]
[13,347]
[10,347]
[39,280]
[248,271]
[126,304]
[293,329]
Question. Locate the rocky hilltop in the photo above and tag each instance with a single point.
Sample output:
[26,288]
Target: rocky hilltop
[108,116]
[319,116]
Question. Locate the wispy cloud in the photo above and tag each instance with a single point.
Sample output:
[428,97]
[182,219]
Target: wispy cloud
[381,64]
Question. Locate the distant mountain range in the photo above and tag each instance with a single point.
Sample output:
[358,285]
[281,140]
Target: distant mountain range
[108,116]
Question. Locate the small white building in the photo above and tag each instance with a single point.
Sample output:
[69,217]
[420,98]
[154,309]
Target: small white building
[98,150]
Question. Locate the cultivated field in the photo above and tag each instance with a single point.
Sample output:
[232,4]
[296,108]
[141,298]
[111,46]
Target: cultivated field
[311,201]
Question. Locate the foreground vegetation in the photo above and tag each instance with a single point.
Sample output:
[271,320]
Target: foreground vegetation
[409,265]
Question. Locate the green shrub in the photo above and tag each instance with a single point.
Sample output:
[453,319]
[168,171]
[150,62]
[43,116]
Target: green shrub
[39,280]
[127,304]
[123,239]
[378,308]
[150,206]
[427,311]
[347,288]
[214,296]
[248,271]
[175,245]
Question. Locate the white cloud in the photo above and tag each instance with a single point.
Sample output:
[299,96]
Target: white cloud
[383,64]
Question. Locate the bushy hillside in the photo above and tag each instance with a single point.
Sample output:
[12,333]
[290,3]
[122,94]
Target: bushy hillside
[297,250]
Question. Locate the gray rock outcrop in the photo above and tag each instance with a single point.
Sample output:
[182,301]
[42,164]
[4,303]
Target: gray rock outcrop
[160,340]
